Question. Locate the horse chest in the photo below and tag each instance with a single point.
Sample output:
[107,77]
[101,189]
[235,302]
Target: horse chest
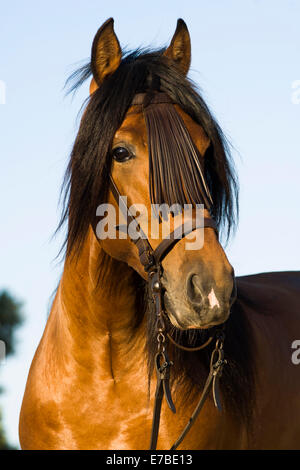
[110,417]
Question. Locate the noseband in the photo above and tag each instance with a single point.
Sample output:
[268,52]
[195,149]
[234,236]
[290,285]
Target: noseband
[151,259]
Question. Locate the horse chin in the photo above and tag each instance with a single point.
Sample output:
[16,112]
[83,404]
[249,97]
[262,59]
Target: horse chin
[184,318]
[192,325]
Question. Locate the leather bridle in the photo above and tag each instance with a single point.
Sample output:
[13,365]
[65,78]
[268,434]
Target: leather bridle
[151,259]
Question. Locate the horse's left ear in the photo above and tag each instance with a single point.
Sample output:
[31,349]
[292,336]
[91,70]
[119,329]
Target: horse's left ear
[179,51]
[106,54]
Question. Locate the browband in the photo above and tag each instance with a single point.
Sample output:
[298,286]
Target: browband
[154,98]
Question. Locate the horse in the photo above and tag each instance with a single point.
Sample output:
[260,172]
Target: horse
[141,326]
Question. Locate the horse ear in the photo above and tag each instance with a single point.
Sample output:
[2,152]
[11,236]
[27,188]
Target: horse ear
[179,51]
[106,54]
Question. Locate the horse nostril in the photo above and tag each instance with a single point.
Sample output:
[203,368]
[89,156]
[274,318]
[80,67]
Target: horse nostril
[194,293]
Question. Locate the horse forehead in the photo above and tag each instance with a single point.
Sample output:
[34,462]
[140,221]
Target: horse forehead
[134,129]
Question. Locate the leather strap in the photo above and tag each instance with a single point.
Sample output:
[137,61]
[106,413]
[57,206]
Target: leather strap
[148,256]
[178,234]
[155,98]
[217,362]
[142,243]
[190,349]
[162,365]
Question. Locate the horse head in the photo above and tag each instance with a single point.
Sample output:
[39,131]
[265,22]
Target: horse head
[159,154]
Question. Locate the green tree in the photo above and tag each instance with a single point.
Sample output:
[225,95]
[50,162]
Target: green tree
[10,319]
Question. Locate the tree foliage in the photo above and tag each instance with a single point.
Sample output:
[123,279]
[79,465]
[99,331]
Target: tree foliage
[10,319]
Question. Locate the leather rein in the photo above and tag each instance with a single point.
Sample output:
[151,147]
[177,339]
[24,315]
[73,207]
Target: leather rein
[151,259]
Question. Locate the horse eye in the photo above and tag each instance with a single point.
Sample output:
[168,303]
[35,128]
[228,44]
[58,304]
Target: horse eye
[121,154]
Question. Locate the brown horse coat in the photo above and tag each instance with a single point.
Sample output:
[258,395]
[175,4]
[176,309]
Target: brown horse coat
[87,387]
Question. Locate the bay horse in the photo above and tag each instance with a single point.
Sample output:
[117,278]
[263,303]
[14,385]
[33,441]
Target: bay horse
[134,323]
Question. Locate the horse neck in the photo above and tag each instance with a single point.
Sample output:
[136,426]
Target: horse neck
[96,300]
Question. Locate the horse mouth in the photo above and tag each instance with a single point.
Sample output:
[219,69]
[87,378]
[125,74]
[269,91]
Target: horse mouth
[182,317]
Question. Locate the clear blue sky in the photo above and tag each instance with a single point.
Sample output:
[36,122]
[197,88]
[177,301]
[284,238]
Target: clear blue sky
[245,57]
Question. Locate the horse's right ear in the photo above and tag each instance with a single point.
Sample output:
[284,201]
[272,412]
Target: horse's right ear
[106,54]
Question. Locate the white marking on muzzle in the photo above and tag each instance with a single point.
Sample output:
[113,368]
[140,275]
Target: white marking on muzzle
[213,301]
